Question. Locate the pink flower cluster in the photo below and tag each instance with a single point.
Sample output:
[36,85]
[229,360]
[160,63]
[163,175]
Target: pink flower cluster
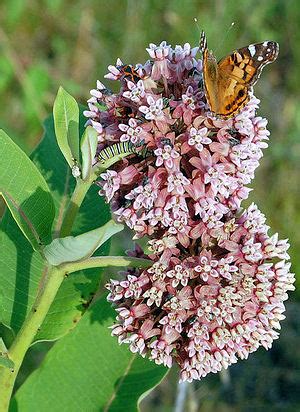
[216,288]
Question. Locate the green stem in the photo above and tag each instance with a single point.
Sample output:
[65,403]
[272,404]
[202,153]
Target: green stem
[105,261]
[78,195]
[46,294]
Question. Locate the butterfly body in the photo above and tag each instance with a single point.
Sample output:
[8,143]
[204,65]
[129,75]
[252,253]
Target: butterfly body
[227,83]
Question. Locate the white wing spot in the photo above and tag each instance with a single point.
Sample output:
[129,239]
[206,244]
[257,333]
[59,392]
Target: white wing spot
[265,43]
[252,49]
[268,50]
[260,58]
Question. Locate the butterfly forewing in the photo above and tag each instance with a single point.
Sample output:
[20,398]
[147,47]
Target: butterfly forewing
[246,64]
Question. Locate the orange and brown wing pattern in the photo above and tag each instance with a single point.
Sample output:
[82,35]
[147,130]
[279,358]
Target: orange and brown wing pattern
[232,96]
[246,64]
[227,83]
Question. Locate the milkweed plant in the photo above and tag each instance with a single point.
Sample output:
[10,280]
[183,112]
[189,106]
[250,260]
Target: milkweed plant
[208,288]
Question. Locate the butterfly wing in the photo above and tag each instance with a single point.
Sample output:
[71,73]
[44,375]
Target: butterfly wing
[210,75]
[239,71]
[246,64]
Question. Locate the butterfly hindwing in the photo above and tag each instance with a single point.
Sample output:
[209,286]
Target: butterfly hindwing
[233,96]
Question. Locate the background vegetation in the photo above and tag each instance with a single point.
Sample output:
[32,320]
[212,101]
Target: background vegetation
[44,44]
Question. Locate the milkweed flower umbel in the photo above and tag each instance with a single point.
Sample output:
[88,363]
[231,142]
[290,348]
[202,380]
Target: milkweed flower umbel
[216,287]
[206,309]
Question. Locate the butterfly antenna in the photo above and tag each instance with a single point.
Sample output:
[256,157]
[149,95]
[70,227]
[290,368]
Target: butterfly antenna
[225,36]
[197,25]
[202,41]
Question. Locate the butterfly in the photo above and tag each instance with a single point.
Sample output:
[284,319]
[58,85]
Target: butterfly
[227,83]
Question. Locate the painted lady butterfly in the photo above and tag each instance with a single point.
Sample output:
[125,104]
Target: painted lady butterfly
[227,83]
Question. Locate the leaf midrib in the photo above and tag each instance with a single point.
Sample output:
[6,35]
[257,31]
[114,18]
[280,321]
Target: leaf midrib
[119,385]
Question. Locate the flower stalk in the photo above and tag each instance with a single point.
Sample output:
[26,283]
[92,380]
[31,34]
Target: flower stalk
[50,284]
[75,202]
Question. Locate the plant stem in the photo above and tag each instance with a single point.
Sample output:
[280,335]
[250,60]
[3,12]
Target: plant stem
[45,296]
[78,195]
[105,261]
[50,284]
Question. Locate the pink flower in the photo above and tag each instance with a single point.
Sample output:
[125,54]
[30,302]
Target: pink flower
[132,132]
[218,282]
[179,275]
[165,156]
[161,349]
[135,92]
[159,54]
[112,183]
[213,306]
[176,183]
[198,138]
[137,341]
[154,109]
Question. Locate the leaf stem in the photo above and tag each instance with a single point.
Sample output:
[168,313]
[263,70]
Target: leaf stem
[50,284]
[105,261]
[78,195]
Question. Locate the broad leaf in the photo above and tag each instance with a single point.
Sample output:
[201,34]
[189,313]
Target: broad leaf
[4,359]
[66,121]
[74,248]
[88,370]
[88,150]
[21,268]
[20,271]
[25,192]
[6,362]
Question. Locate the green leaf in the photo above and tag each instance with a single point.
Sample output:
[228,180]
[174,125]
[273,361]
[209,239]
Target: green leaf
[72,249]
[88,370]
[4,359]
[20,271]
[25,192]
[6,362]
[66,121]
[88,150]
[21,268]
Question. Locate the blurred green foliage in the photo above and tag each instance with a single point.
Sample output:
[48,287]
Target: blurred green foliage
[44,44]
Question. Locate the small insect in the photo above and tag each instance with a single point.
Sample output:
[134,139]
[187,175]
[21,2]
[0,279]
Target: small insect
[233,142]
[227,83]
[126,203]
[129,73]
[145,180]
[115,152]
[192,319]
[116,149]
[165,102]
[166,141]
[233,132]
